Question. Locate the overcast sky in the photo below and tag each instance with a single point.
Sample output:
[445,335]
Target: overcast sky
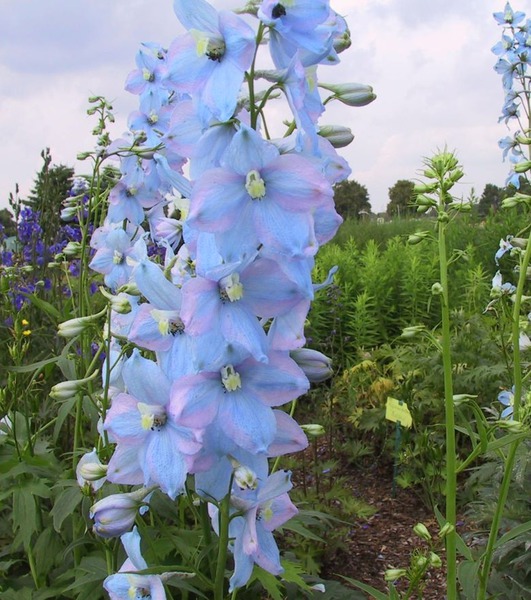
[429,62]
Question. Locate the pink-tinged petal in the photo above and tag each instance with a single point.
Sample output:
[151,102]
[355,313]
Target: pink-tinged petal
[267,555]
[156,588]
[187,71]
[287,331]
[218,198]
[248,151]
[124,466]
[163,465]
[240,326]
[194,399]
[123,419]
[277,382]
[201,305]
[277,483]
[289,436]
[287,233]
[267,290]
[308,190]
[131,542]
[145,331]
[249,535]
[282,509]
[248,422]
[196,14]
[153,284]
[145,380]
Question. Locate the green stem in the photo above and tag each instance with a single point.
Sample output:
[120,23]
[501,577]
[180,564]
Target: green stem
[511,456]
[451,463]
[224,518]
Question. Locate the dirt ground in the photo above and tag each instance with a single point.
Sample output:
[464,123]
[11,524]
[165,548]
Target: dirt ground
[386,539]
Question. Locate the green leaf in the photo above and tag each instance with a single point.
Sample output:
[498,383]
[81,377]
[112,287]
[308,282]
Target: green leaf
[41,304]
[269,582]
[366,588]
[24,515]
[65,409]
[65,504]
[467,573]
[34,366]
[514,532]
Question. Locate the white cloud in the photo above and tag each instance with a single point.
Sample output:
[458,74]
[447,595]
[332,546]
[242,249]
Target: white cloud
[429,62]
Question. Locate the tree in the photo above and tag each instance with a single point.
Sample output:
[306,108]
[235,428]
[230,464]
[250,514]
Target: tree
[7,222]
[51,187]
[490,200]
[352,199]
[401,197]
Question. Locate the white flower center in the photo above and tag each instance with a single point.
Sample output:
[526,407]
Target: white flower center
[230,379]
[231,288]
[153,416]
[255,185]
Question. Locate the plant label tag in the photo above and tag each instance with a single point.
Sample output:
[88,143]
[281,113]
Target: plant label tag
[398,412]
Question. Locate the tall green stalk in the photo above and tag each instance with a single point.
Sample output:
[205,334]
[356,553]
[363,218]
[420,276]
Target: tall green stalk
[511,456]
[444,171]
[451,464]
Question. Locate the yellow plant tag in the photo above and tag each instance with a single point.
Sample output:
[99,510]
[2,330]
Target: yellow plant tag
[398,412]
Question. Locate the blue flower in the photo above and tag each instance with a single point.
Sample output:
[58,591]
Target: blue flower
[130,586]
[506,398]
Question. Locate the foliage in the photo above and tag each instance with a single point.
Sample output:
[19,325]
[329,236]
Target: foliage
[351,200]
[490,200]
[402,197]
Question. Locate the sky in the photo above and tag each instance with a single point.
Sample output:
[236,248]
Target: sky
[429,62]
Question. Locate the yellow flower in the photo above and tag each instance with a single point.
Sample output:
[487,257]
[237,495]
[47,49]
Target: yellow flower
[24,323]
[27,332]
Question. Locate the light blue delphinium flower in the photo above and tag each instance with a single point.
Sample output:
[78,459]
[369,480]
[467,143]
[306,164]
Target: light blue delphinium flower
[130,586]
[254,199]
[264,506]
[506,397]
[210,61]
[508,16]
[154,447]
[298,26]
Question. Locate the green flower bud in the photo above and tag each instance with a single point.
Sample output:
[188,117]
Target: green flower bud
[66,389]
[422,532]
[445,530]
[351,94]
[313,429]
[413,331]
[522,167]
[417,237]
[435,560]
[394,574]
[337,135]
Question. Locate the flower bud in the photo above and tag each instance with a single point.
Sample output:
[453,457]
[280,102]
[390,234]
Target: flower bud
[435,560]
[90,470]
[445,530]
[316,366]
[413,331]
[351,94]
[337,135]
[120,303]
[424,200]
[313,429]
[116,514]
[83,155]
[74,327]
[394,574]
[417,237]
[422,532]
[67,389]
[522,167]
[421,562]
[72,249]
